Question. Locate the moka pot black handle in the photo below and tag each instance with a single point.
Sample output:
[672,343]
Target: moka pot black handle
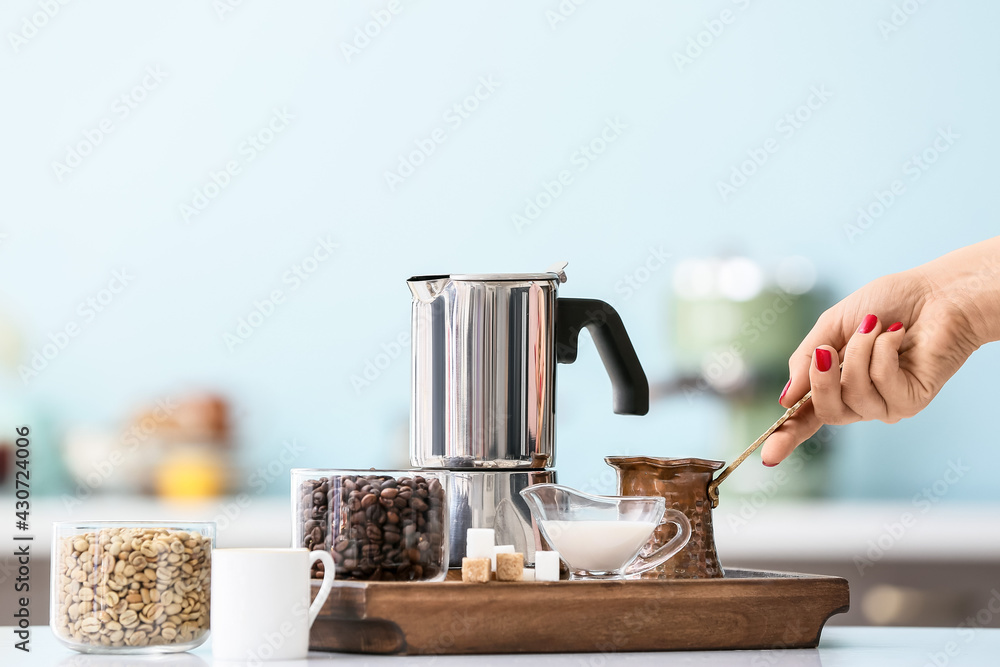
[629,385]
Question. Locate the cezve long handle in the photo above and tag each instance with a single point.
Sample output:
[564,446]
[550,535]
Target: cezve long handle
[713,488]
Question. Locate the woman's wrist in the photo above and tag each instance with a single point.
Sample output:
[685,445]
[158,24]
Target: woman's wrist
[970,278]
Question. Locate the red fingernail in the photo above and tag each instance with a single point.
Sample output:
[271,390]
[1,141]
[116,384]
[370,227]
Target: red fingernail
[785,390]
[823,360]
[895,327]
[769,465]
[867,324]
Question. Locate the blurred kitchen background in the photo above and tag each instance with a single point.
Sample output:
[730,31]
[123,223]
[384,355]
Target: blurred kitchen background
[209,211]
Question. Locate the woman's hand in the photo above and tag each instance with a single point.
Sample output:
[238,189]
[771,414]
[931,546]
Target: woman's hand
[900,338]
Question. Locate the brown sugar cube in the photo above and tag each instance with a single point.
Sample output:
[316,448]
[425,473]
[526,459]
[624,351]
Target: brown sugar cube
[476,570]
[510,567]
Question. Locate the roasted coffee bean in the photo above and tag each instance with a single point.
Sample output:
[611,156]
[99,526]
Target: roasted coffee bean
[379,524]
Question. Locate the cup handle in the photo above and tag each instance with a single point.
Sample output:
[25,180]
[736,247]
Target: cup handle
[645,562]
[329,572]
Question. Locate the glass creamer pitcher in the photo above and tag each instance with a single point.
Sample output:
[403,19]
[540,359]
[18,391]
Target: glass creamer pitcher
[604,537]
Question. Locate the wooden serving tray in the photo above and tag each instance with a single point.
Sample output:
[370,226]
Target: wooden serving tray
[745,610]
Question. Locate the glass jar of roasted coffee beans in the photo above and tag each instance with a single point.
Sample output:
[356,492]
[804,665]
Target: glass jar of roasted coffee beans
[131,587]
[378,525]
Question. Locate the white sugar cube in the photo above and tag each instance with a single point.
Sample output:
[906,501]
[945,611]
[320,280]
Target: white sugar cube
[501,549]
[547,566]
[479,543]
[528,574]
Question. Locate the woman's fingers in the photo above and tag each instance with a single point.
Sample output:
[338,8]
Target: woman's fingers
[828,330]
[857,389]
[791,434]
[824,378]
[870,382]
[887,378]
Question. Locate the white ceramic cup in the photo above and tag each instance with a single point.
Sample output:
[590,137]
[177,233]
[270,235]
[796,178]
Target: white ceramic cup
[260,602]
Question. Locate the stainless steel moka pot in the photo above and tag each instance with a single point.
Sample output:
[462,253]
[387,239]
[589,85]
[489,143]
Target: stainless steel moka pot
[484,353]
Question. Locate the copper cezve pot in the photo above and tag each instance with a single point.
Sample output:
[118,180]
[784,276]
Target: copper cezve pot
[688,486]
[684,485]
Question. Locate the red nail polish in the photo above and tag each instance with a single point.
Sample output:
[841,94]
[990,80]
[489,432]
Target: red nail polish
[895,327]
[785,390]
[823,359]
[769,465]
[867,324]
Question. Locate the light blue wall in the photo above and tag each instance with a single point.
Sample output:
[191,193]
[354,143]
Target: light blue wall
[323,175]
